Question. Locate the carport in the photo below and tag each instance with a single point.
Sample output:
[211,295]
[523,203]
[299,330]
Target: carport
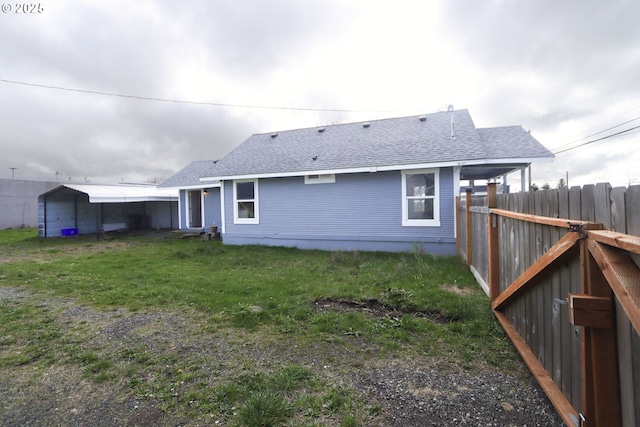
[86,208]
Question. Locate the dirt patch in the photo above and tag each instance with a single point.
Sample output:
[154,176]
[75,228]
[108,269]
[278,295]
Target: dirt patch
[43,255]
[103,247]
[12,293]
[377,308]
[458,290]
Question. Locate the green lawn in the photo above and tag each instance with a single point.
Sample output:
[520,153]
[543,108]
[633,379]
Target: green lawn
[398,305]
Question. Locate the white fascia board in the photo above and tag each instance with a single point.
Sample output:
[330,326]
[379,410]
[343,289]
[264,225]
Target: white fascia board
[288,174]
[196,186]
[421,166]
[367,169]
[131,199]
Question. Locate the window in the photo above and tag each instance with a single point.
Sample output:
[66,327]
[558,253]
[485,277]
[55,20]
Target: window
[420,198]
[245,202]
[320,179]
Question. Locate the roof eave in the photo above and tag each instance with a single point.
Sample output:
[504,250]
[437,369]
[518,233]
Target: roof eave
[511,160]
[362,169]
[207,184]
[372,169]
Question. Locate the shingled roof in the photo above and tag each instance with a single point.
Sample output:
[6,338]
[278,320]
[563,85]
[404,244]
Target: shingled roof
[190,175]
[443,138]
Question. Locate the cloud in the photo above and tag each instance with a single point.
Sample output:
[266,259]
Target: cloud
[562,69]
[570,49]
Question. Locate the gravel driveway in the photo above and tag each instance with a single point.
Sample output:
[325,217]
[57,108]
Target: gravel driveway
[408,392]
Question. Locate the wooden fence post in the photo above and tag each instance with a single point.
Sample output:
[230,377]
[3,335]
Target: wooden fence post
[469,236]
[600,384]
[494,255]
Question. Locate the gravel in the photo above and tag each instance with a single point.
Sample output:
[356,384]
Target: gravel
[408,391]
[431,397]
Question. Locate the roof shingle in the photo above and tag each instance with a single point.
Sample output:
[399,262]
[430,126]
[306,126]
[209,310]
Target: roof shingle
[190,174]
[386,142]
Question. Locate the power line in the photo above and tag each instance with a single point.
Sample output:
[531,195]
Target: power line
[596,140]
[178,101]
[597,133]
[633,133]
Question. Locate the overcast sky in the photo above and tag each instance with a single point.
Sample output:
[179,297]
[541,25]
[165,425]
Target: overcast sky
[565,70]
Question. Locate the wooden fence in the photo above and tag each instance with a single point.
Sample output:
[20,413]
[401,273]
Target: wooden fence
[561,270]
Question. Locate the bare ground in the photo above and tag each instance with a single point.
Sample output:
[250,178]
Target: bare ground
[412,391]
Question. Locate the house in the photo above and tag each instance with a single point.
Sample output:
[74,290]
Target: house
[383,185]
[72,209]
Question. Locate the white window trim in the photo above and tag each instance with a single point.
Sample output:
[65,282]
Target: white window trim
[328,178]
[236,219]
[435,222]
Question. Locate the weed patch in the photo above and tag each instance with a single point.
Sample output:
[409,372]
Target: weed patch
[377,308]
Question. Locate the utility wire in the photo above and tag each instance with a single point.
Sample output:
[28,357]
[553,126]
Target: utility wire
[596,140]
[178,101]
[597,133]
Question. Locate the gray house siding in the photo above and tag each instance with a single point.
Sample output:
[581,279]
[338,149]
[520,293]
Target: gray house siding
[212,207]
[360,211]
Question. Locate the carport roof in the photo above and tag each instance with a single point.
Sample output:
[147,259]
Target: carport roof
[122,193]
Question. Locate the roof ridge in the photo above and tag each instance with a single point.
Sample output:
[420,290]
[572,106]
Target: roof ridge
[360,122]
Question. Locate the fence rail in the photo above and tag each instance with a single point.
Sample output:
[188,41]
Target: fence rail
[561,269]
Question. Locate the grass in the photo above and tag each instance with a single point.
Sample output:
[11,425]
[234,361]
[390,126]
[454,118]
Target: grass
[424,305]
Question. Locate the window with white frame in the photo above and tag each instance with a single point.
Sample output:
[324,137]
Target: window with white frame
[420,198]
[245,201]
